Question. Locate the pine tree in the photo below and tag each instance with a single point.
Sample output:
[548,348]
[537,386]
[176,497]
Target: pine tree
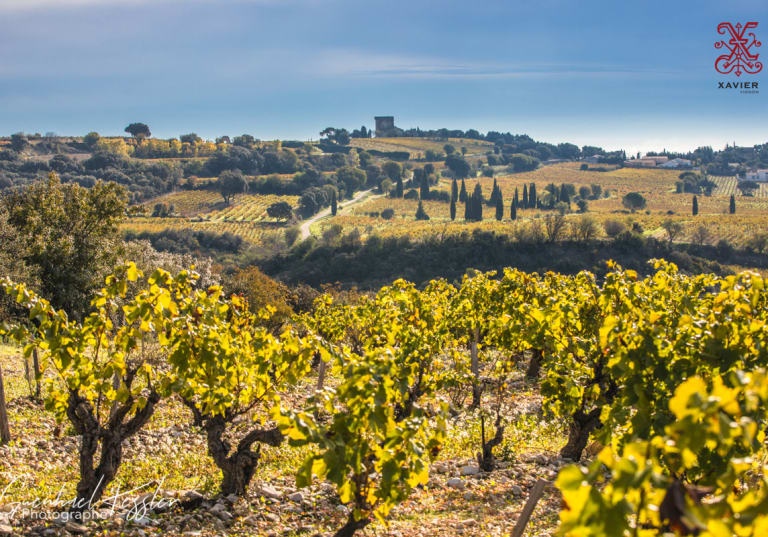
[334,203]
[499,208]
[513,210]
[421,214]
[532,200]
[399,188]
[732,205]
[463,193]
[453,209]
[454,191]
[525,197]
[695,206]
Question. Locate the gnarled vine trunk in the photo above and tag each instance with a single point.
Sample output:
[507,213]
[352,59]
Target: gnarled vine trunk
[237,468]
[107,440]
[534,365]
[486,459]
[581,426]
[352,526]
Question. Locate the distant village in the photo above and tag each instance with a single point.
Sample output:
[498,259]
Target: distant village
[662,161]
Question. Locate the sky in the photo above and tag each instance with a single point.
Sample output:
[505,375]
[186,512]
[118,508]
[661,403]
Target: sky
[637,76]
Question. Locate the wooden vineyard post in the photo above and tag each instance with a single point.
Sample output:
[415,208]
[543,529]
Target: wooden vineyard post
[536,493]
[475,369]
[5,431]
[36,371]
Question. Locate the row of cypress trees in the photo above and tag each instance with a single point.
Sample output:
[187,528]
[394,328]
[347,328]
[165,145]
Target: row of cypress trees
[473,204]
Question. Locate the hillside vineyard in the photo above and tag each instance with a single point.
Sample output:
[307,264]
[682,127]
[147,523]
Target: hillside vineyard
[666,371]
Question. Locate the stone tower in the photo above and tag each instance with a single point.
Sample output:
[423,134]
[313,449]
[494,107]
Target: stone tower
[385,126]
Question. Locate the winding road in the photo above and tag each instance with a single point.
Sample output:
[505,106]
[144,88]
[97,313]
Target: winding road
[357,198]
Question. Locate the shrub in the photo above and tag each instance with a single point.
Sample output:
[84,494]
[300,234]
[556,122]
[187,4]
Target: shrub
[388,214]
[584,229]
[291,234]
[633,201]
[613,228]
[701,235]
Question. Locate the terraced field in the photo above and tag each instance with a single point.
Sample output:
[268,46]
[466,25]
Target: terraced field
[258,233]
[210,206]
[418,146]
[205,210]
[727,186]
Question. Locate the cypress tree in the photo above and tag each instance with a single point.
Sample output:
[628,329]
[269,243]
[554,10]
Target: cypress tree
[463,192]
[564,197]
[399,188]
[421,214]
[732,205]
[695,206]
[424,190]
[513,210]
[499,208]
[525,197]
[467,211]
[476,212]
[517,199]
[453,209]
[532,200]
[334,203]
[494,193]
[454,191]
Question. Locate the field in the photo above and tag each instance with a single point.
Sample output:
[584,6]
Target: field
[203,210]
[657,186]
[418,146]
[246,217]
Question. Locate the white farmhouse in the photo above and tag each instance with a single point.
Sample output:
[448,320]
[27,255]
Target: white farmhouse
[757,175]
[676,163]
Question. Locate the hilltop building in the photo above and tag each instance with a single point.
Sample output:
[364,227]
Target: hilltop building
[385,127]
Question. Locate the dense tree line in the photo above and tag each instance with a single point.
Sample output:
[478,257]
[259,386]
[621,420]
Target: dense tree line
[380,260]
[142,180]
[187,241]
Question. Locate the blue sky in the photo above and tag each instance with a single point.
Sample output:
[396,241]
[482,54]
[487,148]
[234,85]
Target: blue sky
[623,75]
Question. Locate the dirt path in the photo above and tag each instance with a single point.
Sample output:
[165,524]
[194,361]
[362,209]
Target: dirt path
[357,198]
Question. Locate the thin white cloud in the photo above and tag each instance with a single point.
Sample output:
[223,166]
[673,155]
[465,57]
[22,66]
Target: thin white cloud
[37,5]
[372,64]
[32,5]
